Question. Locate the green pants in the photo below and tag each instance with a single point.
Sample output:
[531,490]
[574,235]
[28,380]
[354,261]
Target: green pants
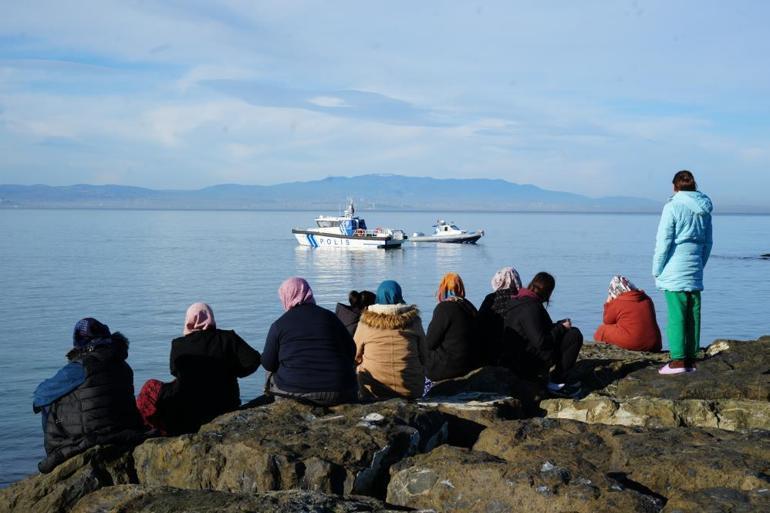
[683,330]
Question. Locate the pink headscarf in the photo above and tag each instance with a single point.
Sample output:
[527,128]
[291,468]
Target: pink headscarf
[295,291]
[199,317]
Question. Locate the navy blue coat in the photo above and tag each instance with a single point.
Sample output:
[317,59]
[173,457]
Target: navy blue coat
[309,350]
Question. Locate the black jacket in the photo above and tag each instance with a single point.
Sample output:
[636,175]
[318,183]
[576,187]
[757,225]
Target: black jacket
[101,410]
[529,338]
[491,324]
[349,317]
[449,350]
[309,350]
[207,365]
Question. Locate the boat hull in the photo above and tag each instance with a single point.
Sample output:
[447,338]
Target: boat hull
[328,240]
[469,238]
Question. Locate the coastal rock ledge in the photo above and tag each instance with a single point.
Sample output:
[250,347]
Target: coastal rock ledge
[487,442]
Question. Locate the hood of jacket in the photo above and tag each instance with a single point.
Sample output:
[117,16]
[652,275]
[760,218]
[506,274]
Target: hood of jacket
[347,314]
[389,317]
[117,349]
[696,201]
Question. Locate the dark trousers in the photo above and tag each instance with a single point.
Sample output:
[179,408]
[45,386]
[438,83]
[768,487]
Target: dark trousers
[331,398]
[565,354]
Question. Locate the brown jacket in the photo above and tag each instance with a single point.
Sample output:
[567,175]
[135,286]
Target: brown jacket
[387,352]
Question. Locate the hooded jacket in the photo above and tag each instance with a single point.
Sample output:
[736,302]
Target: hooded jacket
[99,408]
[529,336]
[207,365]
[450,349]
[683,242]
[387,340]
[629,322]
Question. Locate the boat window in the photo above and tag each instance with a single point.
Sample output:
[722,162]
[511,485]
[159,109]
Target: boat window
[362,224]
[327,224]
[454,227]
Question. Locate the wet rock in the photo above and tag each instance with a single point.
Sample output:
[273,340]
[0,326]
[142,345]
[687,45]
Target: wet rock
[730,390]
[141,499]
[659,463]
[59,490]
[342,450]
[451,479]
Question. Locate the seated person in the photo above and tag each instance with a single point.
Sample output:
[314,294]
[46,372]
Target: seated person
[505,285]
[450,349]
[349,314]
[90,401]
[207,363]
[388,341]
[533,343]
[629,318]
[308,351]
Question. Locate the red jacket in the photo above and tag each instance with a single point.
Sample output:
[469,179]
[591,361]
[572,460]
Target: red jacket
[629,322]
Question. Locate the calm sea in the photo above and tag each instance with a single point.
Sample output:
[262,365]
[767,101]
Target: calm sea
[137,271]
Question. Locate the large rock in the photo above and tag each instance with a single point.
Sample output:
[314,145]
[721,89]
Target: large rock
[58,491]
[679,463]
[343,450]
[141,499]
[730,389]
[451,479]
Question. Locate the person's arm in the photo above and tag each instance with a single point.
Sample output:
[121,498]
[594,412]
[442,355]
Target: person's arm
[67,379]
[358,338]
[245,359]
[664,240]
[437,328]
[709,242]
[539,332]
[272,346]
[610,313]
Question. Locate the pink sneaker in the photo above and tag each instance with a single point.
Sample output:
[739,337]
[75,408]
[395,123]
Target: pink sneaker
[668,369]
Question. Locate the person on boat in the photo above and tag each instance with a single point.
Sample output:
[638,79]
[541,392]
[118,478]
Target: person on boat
[89,401]
[682,248]
[387,340]
[449,349]
[629,318]
[206,362]
[534,343]
[308,352]
[349,314]
[505,285]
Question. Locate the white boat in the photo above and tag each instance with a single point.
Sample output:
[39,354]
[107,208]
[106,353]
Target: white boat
[448,232]
[347,231]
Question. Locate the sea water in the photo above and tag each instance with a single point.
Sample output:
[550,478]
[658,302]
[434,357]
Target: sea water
[137,271]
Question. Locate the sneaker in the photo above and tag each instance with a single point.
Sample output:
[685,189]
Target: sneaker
[668,369]
[567,390]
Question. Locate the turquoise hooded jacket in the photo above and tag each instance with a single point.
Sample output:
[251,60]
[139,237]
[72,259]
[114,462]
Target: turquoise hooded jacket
[683,243]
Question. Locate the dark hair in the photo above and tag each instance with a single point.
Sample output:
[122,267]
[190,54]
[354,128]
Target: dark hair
[542,284]
[684,181]
[361,299]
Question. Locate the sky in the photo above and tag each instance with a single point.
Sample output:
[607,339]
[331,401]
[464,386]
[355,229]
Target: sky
[593,97]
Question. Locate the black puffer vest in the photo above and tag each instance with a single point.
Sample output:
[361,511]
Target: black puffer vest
[101,410]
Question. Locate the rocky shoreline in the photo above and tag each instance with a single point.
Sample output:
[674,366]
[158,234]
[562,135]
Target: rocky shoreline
[487,442]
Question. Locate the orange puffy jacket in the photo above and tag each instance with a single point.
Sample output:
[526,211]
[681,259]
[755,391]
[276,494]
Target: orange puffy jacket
[629,322]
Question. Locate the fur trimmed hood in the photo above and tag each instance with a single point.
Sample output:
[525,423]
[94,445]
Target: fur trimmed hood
[390,317]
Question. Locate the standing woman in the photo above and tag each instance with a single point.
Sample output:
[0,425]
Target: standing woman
[308,351]
[449,349]
[682,248]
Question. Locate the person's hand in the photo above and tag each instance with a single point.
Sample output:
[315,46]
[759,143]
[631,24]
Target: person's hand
[567,323]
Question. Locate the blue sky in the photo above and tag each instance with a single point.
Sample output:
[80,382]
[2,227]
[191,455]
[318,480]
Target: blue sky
[594,97]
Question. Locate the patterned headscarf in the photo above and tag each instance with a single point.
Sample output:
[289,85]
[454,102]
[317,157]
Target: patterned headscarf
[90,332]
[620,285]
[199,317]
[389,293]
[451,286]
[507,278]
[295,291]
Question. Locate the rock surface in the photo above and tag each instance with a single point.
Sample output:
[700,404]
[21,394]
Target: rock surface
[343,450]
[140,499]
[730,390]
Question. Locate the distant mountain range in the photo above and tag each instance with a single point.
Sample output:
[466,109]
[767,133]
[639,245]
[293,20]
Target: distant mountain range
[380,192]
